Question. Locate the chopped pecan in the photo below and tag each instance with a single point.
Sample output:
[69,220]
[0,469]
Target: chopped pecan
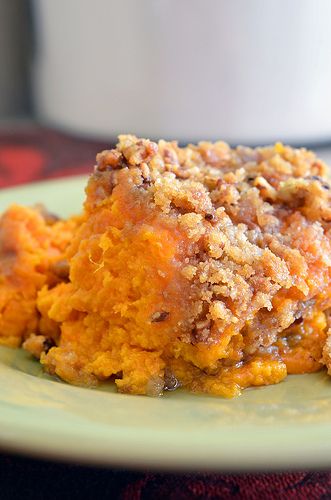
[48,344]
[110,159]
[171,383]
[159,316]
[61,269]
[48,217]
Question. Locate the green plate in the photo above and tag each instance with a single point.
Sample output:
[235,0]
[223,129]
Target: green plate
[270,428]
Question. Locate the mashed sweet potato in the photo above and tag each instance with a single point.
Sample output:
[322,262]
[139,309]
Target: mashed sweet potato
[32,245]
[205,267]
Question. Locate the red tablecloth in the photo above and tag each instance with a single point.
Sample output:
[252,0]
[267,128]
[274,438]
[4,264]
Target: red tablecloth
[31,153]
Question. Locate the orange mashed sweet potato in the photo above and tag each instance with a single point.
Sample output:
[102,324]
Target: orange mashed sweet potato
[32,245]
[202,267]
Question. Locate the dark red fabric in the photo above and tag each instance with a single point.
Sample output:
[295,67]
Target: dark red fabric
[35,479]
[31,153]
[296,486]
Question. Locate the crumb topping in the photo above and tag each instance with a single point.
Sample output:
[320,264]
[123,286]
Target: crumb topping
[251,216]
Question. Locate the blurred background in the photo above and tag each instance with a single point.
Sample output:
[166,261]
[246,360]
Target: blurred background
[76,73]
[245,71]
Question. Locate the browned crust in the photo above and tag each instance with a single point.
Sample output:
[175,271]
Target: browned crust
[243,210]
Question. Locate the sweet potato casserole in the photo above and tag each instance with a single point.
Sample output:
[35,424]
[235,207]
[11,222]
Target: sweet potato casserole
[202,267]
